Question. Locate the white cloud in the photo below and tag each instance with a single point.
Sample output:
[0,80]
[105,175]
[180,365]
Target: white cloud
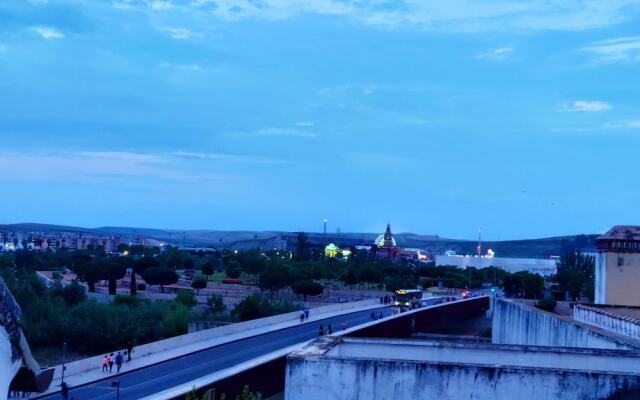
[450,15]
[181,33]
[160,5]
[90,166]
[499,54]
[183,67]
[48,33]
[618,49]
[586,106]
[286,132]
[631,124]
[235,158]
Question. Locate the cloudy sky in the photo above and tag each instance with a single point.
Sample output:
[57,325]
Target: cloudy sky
[519,117]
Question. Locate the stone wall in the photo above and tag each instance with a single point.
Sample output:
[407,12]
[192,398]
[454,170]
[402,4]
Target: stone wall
[517,323]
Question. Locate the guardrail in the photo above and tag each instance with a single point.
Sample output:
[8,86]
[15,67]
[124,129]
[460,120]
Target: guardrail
[148,349]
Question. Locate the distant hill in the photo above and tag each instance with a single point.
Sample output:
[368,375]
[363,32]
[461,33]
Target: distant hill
[537,248]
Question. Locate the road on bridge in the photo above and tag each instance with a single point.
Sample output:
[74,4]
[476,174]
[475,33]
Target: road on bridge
[156,378]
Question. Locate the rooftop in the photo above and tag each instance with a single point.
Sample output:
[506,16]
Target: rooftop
[622,232]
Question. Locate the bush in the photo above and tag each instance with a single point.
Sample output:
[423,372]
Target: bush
[142,286]
[256,306]
[186,298]
[547,304]
[216,303]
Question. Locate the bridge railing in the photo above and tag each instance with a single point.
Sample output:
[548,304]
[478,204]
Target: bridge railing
[189,339]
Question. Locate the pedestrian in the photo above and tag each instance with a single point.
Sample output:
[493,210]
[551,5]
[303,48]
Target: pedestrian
[329,330]
[119,359]
[301,316]
[129,351]
[111,360]
[105,363]
[321,331]
[306,312]
[343,326]
[373,315]
[381,300]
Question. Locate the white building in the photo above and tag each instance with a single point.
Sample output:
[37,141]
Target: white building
[540,266]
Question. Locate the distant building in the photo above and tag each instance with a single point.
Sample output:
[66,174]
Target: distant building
[540,266]
[618,266]
[386,246]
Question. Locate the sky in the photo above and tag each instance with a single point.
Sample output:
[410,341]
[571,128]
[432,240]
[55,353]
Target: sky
[521,118]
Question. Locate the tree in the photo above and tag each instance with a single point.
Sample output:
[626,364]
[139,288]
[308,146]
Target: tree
[216,303]
[207,268]
[91,273]
[199,282]
[188,263]
[275,278]
[122,247]
[307,288]
[233,269]
[113,270]
[160,276]
[186,298]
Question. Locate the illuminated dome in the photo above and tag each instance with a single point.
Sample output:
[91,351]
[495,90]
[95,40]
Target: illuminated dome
[380,241]
[386,239]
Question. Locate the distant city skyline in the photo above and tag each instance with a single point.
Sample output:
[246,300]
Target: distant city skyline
[520,118]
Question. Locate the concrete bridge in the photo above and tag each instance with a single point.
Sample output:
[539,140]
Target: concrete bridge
[251,353]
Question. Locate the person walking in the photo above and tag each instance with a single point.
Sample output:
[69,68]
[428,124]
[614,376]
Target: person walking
[119,359]
[111,360]
[301,316]
[306,312]
[329,330]
[129,351]
[105,363]
[321,331]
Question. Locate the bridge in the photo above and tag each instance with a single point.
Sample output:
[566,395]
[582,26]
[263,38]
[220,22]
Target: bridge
[250,353]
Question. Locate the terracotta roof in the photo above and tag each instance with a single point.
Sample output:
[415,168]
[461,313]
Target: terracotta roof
[622,232]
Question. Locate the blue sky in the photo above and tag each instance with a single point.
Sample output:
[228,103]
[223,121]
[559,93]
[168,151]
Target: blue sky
[519,117]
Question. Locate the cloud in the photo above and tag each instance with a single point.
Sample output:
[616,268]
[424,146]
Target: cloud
[450,15]
[160,5]
[181,33]
[235,158]
[48,33]
[618,49]
[305,124]
[183,67]
[286,132]
[91,166]
[586,106]
[631,124]
[499,54]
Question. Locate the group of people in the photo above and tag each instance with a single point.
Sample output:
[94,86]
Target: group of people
[386,299]
[321,330]
[109,359]
[304,314]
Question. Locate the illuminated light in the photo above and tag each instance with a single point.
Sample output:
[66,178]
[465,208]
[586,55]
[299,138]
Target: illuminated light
[331,250]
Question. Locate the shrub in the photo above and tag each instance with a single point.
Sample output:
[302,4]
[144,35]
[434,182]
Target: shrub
[142,286]
[547,304]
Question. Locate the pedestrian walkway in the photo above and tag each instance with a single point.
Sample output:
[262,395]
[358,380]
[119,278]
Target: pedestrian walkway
[97,373]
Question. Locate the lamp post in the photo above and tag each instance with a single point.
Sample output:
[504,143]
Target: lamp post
[64,388]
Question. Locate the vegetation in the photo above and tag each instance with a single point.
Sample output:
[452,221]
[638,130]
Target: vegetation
[256,306]
[547,304]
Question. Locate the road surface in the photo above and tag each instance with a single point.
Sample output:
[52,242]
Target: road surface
[155,378]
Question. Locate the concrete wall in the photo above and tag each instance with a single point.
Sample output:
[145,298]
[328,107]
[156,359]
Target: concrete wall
[534,265]
[93,363]
[517,323]
[608,320]
[321,378]
[617,277]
